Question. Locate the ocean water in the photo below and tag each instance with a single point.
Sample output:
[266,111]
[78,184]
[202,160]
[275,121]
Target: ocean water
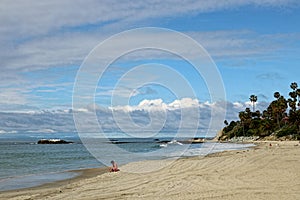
[24,163]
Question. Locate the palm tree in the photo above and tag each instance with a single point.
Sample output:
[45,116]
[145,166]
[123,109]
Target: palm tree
[277,95]
[292,104]
[278,107]
[247,110]
[257,114]
[265,114]
[295,94]
[242,116]
[294,86]
[253,99]
[226,122]
[298,94]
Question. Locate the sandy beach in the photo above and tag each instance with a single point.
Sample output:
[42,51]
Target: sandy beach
[262,172]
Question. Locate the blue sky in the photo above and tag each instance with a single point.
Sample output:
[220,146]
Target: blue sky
[254,44]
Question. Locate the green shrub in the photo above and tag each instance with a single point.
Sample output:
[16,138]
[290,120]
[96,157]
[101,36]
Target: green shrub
[287,130]
[230,127]
[251,132]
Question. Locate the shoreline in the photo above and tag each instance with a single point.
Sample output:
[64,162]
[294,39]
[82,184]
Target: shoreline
[249,170]
[82,173]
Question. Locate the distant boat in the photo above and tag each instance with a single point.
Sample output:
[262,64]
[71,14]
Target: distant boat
[53,141]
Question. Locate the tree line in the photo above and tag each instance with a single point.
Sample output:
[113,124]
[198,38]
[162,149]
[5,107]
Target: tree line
[281,119]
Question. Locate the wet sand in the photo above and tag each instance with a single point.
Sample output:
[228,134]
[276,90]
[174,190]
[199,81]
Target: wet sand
[262,172]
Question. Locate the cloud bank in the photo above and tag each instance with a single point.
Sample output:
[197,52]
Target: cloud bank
[154,112]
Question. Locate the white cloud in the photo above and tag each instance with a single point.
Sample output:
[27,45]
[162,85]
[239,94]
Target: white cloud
[40,18]
[7,132]
[56,32]
[38,35]
[184,103]
[150,104]
[46,130]
[160,105]
[71,49]
[149,115]
[238,105]
[12,96]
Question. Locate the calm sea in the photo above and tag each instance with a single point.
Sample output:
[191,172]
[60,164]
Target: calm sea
[24,163]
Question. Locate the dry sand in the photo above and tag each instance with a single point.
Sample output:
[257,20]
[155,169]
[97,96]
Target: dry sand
[263,172]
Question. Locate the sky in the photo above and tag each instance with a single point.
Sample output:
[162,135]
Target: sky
[44,45]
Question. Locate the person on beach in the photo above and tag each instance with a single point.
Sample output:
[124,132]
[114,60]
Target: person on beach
[114,167]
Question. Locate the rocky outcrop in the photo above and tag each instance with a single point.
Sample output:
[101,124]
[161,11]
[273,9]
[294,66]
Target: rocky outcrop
[53,141]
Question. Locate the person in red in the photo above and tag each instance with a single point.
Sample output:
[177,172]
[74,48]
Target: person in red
[114,167]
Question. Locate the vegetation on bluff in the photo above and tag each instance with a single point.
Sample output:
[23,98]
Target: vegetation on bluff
[280,120]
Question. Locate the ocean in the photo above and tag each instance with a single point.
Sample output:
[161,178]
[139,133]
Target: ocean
[24,163]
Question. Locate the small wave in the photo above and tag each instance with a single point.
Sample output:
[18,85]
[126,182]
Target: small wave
[175,142]
[163,145]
